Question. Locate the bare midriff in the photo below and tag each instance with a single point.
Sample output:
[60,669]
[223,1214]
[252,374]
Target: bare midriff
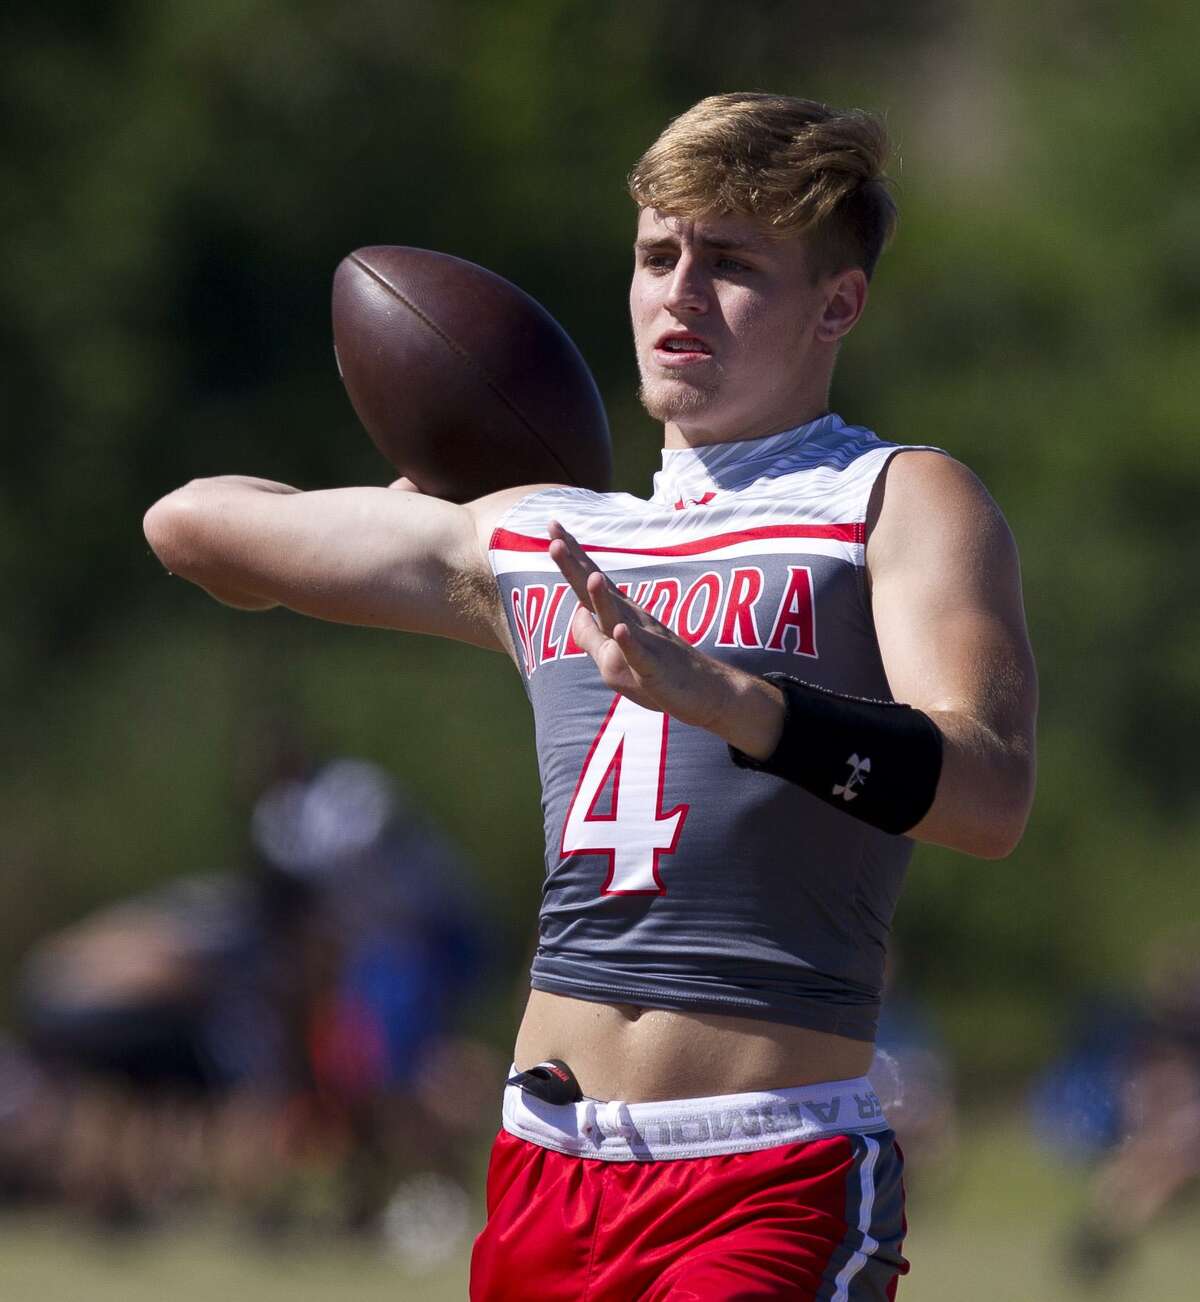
[620,1051]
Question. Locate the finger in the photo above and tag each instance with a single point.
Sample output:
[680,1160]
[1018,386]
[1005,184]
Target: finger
[636,652]
[606,600]
[577,568]
[569,544]
[557,529]
[572,571]
[560,533]
[578,555]
[586,632]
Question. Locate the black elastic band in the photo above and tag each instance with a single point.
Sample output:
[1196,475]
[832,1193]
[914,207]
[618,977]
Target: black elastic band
[876,760]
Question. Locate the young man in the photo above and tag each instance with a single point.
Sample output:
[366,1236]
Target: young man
[691,1116]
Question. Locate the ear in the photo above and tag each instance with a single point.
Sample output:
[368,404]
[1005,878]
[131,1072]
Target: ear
[845,296]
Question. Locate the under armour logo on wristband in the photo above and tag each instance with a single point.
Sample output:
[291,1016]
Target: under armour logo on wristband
[858,775]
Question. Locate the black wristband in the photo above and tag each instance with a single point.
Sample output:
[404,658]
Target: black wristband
[875,760]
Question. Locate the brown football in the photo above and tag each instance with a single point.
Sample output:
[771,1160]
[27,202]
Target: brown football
[464,382]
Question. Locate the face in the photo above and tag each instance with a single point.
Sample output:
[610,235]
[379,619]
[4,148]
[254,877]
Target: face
[735,336]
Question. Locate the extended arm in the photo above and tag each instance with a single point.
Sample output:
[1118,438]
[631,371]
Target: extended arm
[367,556]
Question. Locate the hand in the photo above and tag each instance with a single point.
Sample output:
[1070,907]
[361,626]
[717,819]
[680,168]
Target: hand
[641,658]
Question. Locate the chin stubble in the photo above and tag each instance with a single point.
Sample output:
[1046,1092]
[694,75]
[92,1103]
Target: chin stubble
[673,400]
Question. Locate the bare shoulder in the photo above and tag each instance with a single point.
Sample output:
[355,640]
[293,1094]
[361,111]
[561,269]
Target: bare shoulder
[488,511]
[926,507]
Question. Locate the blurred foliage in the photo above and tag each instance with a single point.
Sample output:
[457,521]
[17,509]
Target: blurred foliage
[179,182]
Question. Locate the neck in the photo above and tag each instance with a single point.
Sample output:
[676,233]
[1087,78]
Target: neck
[696,434]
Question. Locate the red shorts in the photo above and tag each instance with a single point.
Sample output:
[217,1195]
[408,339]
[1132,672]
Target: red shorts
[815,1221]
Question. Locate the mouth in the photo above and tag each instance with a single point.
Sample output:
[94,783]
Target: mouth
[679,348]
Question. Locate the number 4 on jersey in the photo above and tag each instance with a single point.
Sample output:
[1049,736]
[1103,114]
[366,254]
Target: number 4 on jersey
[617,807]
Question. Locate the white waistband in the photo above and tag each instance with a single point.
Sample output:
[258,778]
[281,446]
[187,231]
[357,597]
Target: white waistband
[726,1123]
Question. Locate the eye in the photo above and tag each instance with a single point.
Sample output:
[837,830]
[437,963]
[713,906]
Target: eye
[726,263]
[658,261]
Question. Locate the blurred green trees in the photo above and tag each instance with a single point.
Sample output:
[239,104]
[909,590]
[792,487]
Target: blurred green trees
[179,183]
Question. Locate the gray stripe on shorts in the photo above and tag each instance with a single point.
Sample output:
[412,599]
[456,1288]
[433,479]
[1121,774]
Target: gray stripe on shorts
[862,1266]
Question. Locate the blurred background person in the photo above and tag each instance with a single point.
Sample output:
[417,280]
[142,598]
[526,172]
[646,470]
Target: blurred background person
[1127,1098]
[232,1033]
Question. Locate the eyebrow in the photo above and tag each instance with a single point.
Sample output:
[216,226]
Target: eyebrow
[707,241]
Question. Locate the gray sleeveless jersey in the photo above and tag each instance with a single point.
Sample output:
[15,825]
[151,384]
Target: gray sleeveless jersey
[673,878]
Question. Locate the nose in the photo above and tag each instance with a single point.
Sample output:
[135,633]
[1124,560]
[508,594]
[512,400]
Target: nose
[687,293]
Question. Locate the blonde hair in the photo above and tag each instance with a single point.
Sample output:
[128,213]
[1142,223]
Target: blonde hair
[795,165]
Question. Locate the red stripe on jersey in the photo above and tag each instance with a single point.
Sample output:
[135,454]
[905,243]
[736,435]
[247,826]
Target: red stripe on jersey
[507,541]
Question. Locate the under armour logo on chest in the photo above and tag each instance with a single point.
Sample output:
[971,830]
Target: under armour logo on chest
[859,768]
[695,501]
